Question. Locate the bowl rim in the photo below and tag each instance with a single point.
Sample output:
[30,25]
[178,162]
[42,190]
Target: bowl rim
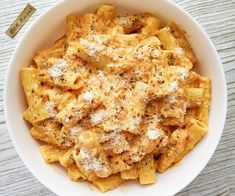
[11,66]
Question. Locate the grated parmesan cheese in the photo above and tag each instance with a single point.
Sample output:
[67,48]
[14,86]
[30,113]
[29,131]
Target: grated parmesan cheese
[135,154]
[84,154]
[134,122]
[173,86]
[135,158]
[100,74]
[87,96]
[153,134]
[50,108]
[74,131]
[116,142]
[179,50]
[114,127]
[58,69]
[146,52]
[155,54]
[172,99]
[90,160]
[97,117]
[123,21]
[114,138]
[66,119]
[100,39]
[90,47]
[183,73]
[140,52]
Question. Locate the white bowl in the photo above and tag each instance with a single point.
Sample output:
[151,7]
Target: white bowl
[50,26]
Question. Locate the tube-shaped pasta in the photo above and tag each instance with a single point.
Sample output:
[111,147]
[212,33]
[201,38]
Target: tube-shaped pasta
[72,28]
[174,149]
[88,139]
[179,34]
[106,12]
[194,96]
[67,158]
[51,153]
[195,130]
[203,112]
[167,39]
[151,25]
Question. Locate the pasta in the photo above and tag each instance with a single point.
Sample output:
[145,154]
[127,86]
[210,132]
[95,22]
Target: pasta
[116,98]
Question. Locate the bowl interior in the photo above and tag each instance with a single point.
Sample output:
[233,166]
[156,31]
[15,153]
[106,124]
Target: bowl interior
[50,27]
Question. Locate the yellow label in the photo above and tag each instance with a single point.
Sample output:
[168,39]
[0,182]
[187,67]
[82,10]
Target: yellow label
[20,21]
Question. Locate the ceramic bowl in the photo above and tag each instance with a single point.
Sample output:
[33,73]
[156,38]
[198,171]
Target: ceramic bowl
[51,25]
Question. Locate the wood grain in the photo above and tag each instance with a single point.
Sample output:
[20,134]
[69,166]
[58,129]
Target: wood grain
[218,178]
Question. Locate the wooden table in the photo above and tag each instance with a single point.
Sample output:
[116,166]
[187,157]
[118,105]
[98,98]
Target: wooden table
[218,178]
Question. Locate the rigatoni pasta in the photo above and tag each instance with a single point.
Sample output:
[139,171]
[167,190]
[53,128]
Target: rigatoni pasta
[116,98]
